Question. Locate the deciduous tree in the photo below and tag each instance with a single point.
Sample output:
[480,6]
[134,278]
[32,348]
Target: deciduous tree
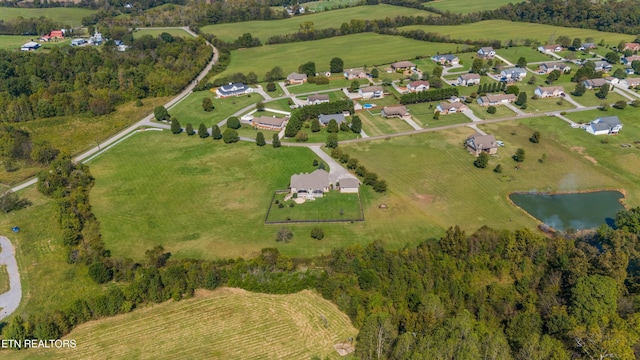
[176,128]
[260,139]
[230,136]
[336,65]
[207,104]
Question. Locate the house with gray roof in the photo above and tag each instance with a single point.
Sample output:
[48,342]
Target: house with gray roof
[403,65]
[349,185]
[515,74]
[310,186]
[355,74]
[233,89]
[371,92]
[447,59]
[450,107]
[609,125]
[595,83]
[555,65]
[295,78]
[317,99]
[468,79]
[324,119]
[486,52]
[268,123]
[478,143]
[495,100]
[394,111]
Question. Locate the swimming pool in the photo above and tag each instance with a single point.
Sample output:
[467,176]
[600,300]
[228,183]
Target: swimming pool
[368,106]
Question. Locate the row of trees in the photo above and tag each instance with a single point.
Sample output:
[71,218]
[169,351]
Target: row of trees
[429,95]
[367,177]
[300,115]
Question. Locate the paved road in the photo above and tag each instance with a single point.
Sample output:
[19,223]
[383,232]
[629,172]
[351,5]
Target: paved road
[336,171]
[10,300]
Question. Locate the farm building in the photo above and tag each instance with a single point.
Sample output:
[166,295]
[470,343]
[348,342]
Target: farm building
[30,46]
[609,125]
[310,186]
[234,89]
[478,143]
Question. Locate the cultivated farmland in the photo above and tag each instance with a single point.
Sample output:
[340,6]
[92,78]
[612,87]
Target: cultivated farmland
[356,51]
[335,18]
[224,324]
[504,30]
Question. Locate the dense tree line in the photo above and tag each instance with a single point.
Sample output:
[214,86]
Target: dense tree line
[31,26]
[300,115]
[429,95]
[69,80]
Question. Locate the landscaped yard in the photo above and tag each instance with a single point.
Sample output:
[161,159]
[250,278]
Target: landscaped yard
[377,125]
[250,132]
[321,136]
[332,206]
[547,104]
[335,18]
[590,99]
[357,50]
[481,111]
[423,115]
[189,110]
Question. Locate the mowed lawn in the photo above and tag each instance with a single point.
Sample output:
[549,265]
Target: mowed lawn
[355,50]
[155,32]
[190,110]
[505,30]
[227,323]
[465,6]
[14,42]
[66,15]
[333,206]
[4,279]
[322,20]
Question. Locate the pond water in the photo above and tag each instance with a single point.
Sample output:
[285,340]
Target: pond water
[576,211]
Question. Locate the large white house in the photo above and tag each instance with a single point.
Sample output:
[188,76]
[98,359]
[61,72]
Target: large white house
[234,89]
[609,125]
[468,79]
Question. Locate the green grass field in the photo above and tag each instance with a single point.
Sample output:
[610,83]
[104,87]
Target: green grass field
[66,16]
[328,4]
[504,30]
[4,279]
[189,110]
[531,55]
[266,29]
[336,81]
[424,116]
[332,206]
[14,42]
[224,324]
[156,32]
[481,111]
[321,136]
[464,7]
[355,50]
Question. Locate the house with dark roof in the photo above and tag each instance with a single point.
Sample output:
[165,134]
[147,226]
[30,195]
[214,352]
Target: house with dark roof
[394,111]
[296,79]
[233,89]
[324,119]
[468,79]
[478,143]
[495,100]
[609,125]
[447,59]
[371,92]
[317,99]
[310,186]
[418,85]
[602,66]
[486,52]
[450,108]
[587,46]
[515,74]
[268,123]
[403,65]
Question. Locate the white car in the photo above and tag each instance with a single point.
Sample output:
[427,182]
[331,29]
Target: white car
[500,143]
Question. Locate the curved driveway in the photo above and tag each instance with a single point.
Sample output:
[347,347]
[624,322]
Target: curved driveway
[10,300]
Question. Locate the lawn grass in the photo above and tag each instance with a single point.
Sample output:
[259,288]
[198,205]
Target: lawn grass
[356,50]
[65,15]
[337,81]
[335,18]
[4,279]
[189,110]
[530,54]
[505,30]
[321,136]
[156,32]
[481,111]
[76,133]
[14,42]
[464,6]
[332,206]
[250,132]
[547,104]
[590,99]
[377,125]
[235,323]
[323,5]
[424,116]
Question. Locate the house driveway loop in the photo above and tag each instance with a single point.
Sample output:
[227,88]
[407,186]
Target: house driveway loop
[10,300]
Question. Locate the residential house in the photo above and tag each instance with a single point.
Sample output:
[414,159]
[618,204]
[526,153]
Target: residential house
[515,74]
[631,46]
[478,143]
[629,59]
[612,80]
[549,91]
[355,74]
[602,66]
[595,83]
[495,100]
[78,42]
[395,111]
[310,186]
[295,78]
[96,39]
[233,89]
[550,48]
[53,35]
[349,185]
[371,92]
[446,59]
[324,119]
[403,65]
[629,71]
[468,79]
[450,108]
[556,65]
[587,46]
[317,99]
[630,82]
[30,46]
[486,52]
[609,125]
[417,86]
[268,123]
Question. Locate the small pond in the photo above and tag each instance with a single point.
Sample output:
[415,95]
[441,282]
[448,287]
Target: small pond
[576,210]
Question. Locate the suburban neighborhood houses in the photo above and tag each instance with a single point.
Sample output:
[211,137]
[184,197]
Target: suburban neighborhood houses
[609,125]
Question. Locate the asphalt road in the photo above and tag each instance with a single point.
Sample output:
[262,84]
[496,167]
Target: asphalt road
[10,300]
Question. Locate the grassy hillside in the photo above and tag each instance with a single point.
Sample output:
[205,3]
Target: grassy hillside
[518,31]
[156,32]
[224,324]
[355,50]
[67,16]
[465,6]
[265,29]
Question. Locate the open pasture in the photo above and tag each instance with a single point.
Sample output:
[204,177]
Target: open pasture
[355,50]
[322,20]
[465,6]
[504,31]
[64,15]
[227,323]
